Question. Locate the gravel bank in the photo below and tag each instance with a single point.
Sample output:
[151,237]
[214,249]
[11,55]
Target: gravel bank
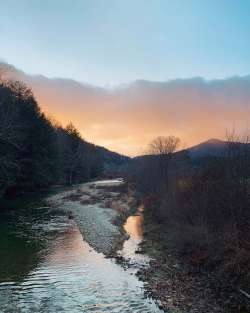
[95,207]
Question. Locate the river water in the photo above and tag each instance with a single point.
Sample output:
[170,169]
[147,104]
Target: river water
[46,266]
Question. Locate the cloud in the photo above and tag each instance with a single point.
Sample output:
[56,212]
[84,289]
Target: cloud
[127,117]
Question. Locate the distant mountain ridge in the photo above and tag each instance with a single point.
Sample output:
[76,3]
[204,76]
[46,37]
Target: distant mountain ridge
[214,147]
[110,158]
[211,147]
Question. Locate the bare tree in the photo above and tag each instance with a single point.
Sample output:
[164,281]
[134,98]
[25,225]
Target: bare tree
[163,148]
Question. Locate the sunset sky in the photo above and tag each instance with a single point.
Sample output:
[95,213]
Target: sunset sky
[130,65]
[115,41]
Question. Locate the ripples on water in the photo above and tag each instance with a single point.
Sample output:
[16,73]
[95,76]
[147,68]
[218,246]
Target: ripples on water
[65,273]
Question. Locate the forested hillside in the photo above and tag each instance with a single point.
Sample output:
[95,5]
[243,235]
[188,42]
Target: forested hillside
[35,152]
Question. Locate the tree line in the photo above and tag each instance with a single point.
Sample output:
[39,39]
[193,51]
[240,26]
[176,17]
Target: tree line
[201,206]
[35,152]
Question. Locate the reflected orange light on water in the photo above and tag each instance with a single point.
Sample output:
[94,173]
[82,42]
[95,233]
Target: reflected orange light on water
[134,226]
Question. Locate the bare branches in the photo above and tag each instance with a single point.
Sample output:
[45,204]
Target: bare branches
[164,145]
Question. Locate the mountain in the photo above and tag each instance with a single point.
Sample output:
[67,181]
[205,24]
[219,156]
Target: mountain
[112,161]
[113,164]
[211,147]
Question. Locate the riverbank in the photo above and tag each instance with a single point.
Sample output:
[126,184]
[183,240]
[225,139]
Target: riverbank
[181,287]
[47,265]
[168,280]
[99,209]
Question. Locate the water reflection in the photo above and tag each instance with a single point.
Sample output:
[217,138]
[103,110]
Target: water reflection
[134,227]
[18,254]
[65,274]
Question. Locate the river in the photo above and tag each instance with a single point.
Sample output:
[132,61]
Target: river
[47,266]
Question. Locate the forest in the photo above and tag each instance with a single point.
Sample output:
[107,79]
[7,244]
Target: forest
[37,152]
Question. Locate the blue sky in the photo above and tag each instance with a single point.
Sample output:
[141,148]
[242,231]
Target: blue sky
[105,42]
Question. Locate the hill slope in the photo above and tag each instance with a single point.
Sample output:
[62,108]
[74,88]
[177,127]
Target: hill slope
[211,147]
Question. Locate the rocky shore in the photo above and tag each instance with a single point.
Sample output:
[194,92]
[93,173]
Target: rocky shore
[100,209]
[177,289]
[182,288]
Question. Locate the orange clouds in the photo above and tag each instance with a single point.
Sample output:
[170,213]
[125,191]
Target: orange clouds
[126,118]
